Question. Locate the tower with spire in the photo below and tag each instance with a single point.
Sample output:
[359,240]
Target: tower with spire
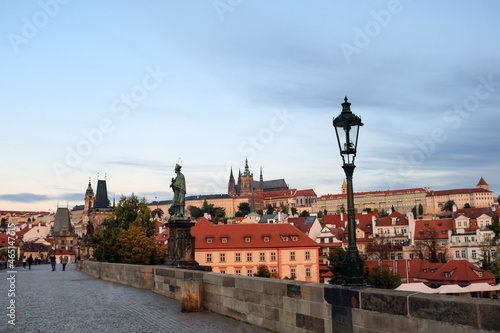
[246,185]
[231,188]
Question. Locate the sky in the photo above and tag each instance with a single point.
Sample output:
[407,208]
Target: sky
[124,90]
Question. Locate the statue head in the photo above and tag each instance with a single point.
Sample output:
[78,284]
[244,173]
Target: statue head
[177,168]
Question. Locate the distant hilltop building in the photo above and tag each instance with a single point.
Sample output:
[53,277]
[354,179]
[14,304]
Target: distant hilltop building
[480,196]
[246,183]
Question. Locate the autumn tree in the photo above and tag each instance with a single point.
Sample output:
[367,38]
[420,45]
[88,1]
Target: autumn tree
[429,248]
[263,271]
[382,278]
[448,206]
[379,249]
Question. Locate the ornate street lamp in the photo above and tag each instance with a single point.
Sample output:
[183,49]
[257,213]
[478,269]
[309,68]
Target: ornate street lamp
[347,129]
[104,229]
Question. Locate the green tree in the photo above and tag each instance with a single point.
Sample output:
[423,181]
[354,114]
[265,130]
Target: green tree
[260,212]
[368,210]
[325,212]
[336,265]
[467,205]
[320,214]
[263,271]
[243,209]
[382,278]
[294,211]
[383,213]
[448,206]
[420,209]
[284,209]
[495,227]
[135,247]
[219,212]
[414,211]
[270,209]
[195,212]
[304,213]
[157,212]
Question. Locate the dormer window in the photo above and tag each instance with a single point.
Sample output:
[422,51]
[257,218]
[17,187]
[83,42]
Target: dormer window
[224,240]
[285,239]
[210,240]
[447,275]
[480,274]
[247,239]
[295,238]
[266,239]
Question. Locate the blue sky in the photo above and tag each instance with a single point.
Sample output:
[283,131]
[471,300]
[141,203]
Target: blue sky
[126,88]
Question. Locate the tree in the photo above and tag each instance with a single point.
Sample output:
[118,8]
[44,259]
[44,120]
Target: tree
[270,209]
[135,247]
[294,211]
[263,271]
[429,248]
[495,227]
[341,209]
[304,213]
[284,209]
[379,249]
[368,210]
[219,212]
[195,212]
[383,278]
[325,212]
[467,205]
[157,212]
[383,213]
[336,265]
[243,209]
[420,209]
[320,214]
[448,206]
[414,211]
[260,212]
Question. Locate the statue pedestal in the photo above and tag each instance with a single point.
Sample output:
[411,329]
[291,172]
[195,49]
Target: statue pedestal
[180,243]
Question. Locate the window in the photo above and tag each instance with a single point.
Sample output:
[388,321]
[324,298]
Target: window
[249,272]
[447,275]
[463,253]
[249,256]
[223,271]
[292,256]
[209,257]
[247,239]
[237,257]
[295,238]
[473,254]
[266,239]
[238,272]
[308,272]
[308,255]
[273,256]
[209,240]
[222,257]
[400,255]
[292,272]
[262,256]
[285,239]
[224,240]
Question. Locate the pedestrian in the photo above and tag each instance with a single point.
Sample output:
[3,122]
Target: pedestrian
[30,261]
[52,260]
[64,261]
[24,262]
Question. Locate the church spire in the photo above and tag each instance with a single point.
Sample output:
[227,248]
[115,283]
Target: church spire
[89,189]
[247,170]
[261,177]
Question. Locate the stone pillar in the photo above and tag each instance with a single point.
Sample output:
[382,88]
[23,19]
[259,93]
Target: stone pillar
[180,243]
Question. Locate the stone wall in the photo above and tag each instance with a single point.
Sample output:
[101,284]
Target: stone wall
[296,306]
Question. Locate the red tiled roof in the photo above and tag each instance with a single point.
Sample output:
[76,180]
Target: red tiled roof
[474,213]
[304,193]
[299,223]
[460,272]
[64,252]
[457,191]
[482,182]
[387,221]
[390,192]
[236,234]
[440,226]
[365,220]
[4,240]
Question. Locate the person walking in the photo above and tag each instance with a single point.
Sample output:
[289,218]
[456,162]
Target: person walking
[30,262]
[52,260]
[24,262]
[64,261]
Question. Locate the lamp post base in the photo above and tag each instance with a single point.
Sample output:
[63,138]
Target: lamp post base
[353,269]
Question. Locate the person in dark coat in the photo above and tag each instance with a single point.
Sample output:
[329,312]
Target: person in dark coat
[52,260]
[30,261]
[64,261]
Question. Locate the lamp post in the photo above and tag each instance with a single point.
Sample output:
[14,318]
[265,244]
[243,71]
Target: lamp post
[347,129]
[79,242]
[104,229]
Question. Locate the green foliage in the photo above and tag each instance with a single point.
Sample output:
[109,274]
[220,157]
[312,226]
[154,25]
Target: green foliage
[383,213]
[294,211]
[320,214]
[380,278]
[414,211]
[336,265]
[270,209]
[368,210]
[467,205]
[448,206]
[130,235]
[243,209]
[157,212]
[263,271]
[219,212]
[420,209]
[195,212]
[260,212]
[293,277]
[325,212]
[284,209]
[495,227]
[304,213]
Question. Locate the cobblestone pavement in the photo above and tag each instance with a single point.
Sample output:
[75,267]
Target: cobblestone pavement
[72,301]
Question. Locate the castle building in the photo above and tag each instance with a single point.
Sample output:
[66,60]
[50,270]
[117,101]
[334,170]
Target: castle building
[63,232]
[246,184]
[97,208]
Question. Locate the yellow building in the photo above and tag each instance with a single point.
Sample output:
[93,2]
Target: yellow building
[240,248]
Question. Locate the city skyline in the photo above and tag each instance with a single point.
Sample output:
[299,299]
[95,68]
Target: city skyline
[130,89]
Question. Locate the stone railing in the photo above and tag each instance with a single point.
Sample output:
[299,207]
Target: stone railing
[295,306]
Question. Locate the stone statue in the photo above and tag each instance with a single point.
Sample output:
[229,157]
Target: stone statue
[178,185]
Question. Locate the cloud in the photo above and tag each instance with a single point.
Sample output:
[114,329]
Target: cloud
[24,197]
